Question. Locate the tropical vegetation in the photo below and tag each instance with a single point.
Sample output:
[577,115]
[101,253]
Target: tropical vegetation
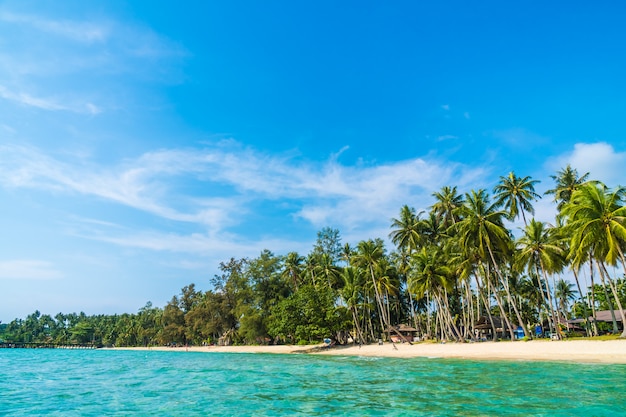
[459,271]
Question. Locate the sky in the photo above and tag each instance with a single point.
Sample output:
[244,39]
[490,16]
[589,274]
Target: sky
[143,143]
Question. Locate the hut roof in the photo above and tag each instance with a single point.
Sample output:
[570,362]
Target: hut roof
[605,315]
[404,328]
[484,323]
[601,315]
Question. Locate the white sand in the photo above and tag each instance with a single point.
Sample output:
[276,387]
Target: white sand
[612,351]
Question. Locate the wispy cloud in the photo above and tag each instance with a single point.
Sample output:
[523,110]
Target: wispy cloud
[233,180]
[28,269]
[46,103]
[78,31]
[80,66]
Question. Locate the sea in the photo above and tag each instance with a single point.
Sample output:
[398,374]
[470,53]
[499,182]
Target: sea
[57,382]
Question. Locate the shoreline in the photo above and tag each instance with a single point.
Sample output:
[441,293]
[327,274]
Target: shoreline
[579,351]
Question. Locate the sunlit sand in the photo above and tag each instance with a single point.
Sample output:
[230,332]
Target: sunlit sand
[585,351]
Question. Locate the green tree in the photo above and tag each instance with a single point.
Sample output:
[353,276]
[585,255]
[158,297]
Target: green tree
[596,219]
[539,251]
[447,203]
[481,228]
[567,181]
[293,268]
[515,194]
[406,233]
[564,292]
[369,256]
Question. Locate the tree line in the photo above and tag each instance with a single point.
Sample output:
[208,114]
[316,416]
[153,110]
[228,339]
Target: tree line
[450,268]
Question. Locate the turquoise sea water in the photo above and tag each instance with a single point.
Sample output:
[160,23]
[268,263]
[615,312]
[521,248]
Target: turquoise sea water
[150,383]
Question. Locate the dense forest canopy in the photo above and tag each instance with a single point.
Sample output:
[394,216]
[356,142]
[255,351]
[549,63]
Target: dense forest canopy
[449,269]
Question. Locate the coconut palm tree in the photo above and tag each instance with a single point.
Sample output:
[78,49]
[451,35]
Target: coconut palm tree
[564,292]
[292,268]
[596,219]
[515,194]
[351,294]
[328,271]
[481,227]
[369,256]
[432,276]
[406,230]
[540,253]
[567,181]
[447,202]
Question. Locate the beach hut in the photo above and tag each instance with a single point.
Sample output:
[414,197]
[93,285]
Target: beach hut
[484,331]
[603,316]
[403,333]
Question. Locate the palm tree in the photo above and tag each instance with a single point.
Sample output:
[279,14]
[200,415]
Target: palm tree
[564,292]
[346,254]
[430,275]
[448,201]
[539,251]
[481,228]
[351,294]
[293,268]
[369,256]
[515,194]
[327,269]
[596,219]
[406,230]
[567,181]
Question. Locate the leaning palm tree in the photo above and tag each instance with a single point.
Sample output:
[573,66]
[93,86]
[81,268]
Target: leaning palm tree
[567,181]
[540,252]
[515,194]
[433,277]
[481,227]
[596,219]
[369,256]
[351,294]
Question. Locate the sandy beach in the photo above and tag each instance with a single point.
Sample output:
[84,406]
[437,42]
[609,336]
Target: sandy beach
[584,351]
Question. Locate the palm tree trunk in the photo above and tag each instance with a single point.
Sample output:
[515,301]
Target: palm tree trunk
[453,327]
[501,307]
[381,310]
[505,284]
[355,319]
[481,293]
[585,305]
[549,293]
[593,300]
[617,300]
[428,313]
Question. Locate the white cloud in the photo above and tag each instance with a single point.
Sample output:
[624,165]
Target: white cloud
[26,269]
[28,100]
[235,181]
[87,32]
[80,66]
[50,104]
[600,159]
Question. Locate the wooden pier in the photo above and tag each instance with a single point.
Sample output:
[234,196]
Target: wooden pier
[34,345]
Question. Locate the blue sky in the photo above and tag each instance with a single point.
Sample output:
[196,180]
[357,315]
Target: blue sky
[143,143]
